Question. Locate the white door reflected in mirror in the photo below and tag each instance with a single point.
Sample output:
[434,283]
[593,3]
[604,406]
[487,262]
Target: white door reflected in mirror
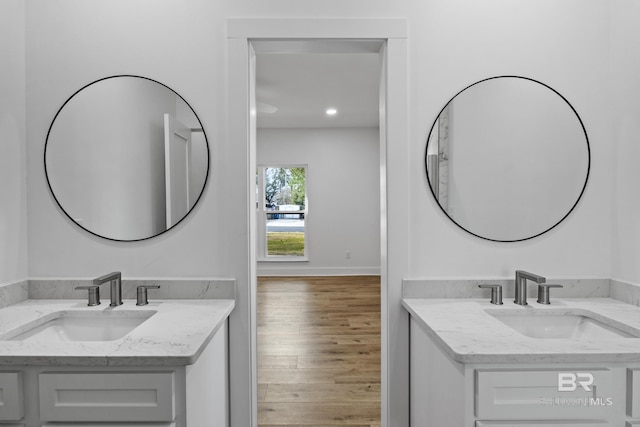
[177,155]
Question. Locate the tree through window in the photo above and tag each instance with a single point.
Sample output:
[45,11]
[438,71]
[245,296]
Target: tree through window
[285,207]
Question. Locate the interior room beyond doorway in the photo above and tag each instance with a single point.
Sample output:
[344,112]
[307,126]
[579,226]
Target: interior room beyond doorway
[319,305]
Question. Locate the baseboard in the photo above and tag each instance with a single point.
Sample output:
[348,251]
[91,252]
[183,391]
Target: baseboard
[317,271]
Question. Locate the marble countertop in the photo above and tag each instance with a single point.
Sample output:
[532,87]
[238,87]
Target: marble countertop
[175,334]
[466,331]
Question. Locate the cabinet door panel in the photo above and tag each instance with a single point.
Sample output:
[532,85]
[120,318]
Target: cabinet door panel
[11,396]
[539,394]
[107,396]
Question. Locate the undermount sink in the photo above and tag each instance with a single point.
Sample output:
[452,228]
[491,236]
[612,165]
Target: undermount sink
[549,324]
[80,326]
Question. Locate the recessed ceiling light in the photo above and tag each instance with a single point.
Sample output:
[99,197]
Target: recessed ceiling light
[331,111]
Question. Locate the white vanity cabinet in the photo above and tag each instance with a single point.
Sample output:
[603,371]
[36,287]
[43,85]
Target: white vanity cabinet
[445,393]
[120,396]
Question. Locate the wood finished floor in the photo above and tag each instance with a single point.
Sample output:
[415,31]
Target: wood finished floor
[319,351]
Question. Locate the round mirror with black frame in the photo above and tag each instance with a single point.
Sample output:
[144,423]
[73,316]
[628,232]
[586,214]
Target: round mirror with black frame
[507,158]
[126,158]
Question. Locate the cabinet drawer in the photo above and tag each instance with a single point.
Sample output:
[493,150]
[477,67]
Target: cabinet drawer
[539,395]
[542,424]
[633,393]
[11,406]
[102,396]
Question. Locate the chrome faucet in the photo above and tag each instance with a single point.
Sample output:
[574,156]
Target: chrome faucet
[115,279]
[521,285]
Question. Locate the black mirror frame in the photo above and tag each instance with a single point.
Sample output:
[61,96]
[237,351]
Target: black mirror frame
[204,185]
[586,180]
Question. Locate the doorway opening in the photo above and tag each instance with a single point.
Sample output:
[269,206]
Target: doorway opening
[318,109]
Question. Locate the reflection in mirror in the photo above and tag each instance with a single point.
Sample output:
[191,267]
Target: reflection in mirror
[126,158]
[507,159]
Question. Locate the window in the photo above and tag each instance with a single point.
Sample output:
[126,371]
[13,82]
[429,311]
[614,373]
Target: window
[282,209]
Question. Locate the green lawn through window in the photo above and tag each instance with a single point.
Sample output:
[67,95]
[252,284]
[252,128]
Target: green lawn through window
[288,243]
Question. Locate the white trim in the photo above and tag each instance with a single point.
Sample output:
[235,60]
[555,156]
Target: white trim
[317,46]
[294,28]
[394,157]
[394,161]
[283,258]
[240,152]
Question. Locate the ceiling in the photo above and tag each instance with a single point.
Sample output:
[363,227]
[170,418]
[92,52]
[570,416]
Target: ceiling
[302,86]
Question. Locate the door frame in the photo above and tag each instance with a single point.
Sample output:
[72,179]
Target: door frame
[240,152]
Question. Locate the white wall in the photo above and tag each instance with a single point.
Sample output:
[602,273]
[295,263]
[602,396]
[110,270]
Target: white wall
[452,43]
[13,197]
[468,41]
[343,190]
[625,85]
[57,54]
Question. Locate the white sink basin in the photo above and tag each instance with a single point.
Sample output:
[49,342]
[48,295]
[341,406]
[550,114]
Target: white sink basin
[80,326]
[543,324]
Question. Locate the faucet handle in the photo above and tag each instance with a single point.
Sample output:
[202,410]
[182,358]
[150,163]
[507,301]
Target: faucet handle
[543,292]
[496,293]
[142,294]
[94,294]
